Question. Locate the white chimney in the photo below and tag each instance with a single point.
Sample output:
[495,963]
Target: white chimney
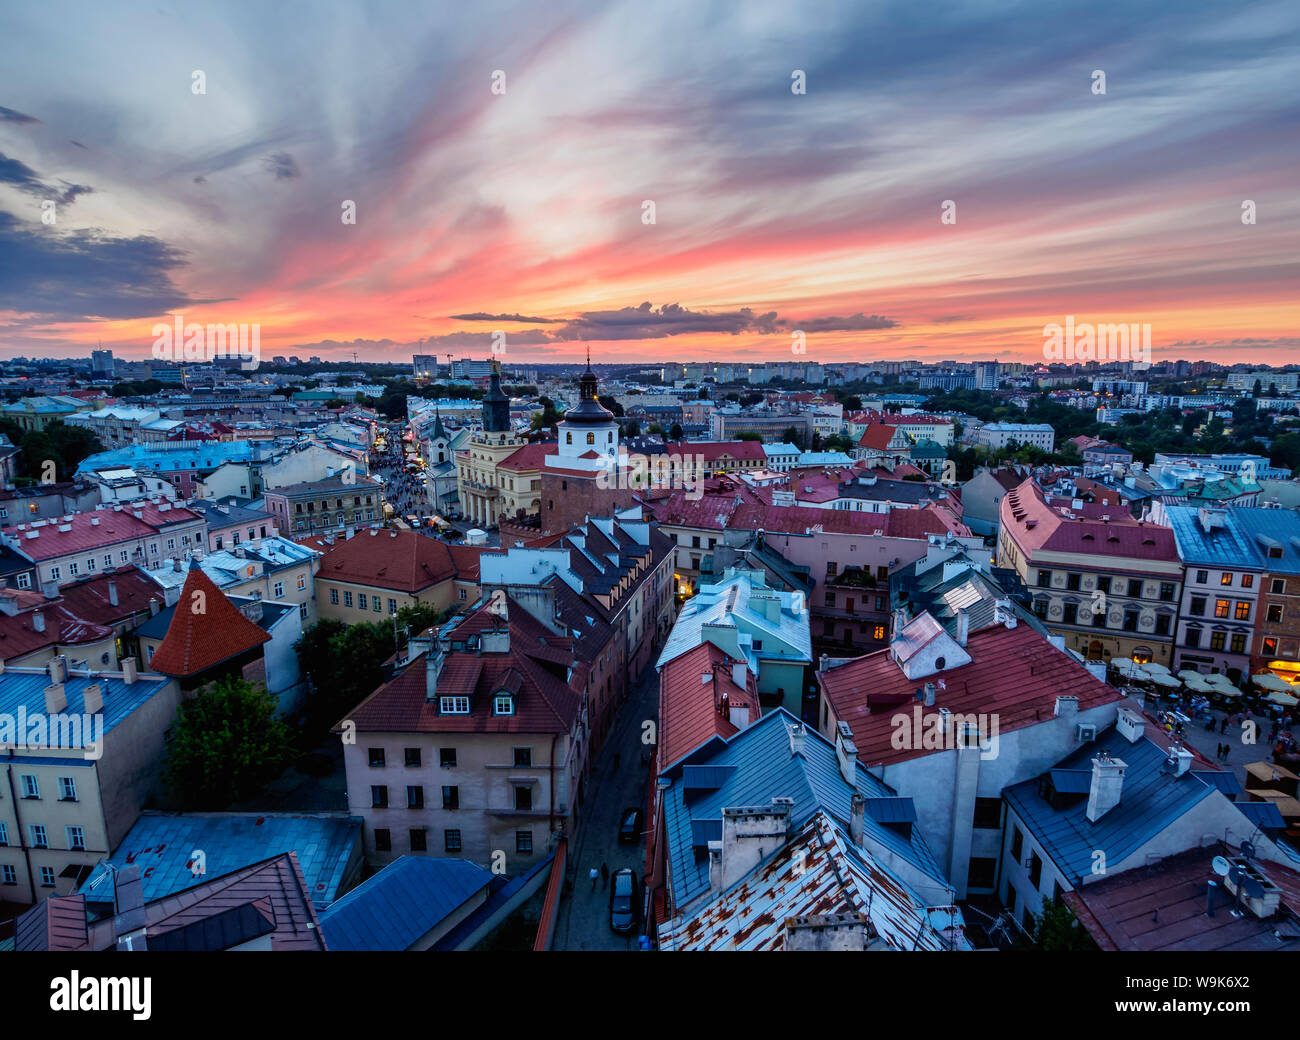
[963,626]
[38,620]
[1182,759]
[56,698]
[1066,706]
[749,836]
[857,818]
[847,753]
[798,738]
[1107,784]
[94,699]
[1130,726]
[112,593]
[129,670]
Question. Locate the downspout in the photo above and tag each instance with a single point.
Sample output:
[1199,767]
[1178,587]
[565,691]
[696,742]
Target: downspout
[550,808]
[18,822]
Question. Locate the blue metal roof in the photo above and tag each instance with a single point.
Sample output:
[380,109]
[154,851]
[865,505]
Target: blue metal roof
[205,456]
[1224,780]
[1151,799]
[1072,781]
[163,845]
[763,768]
[1227,546]
[706,778]
[892,810]
[1262,814]
[25,689]
[403,902]
[1281,526]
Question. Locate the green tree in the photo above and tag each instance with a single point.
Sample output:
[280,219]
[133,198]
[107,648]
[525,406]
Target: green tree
[1056,929]
[226,743]
[675,432]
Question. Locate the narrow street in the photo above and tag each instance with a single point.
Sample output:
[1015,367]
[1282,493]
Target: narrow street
[584,914]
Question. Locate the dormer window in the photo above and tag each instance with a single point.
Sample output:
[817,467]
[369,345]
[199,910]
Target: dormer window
[453,705]
[503,704]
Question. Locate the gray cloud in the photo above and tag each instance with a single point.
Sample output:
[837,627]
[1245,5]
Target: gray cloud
[284,167]
[852,323]
[8,115]
[647,322]
[481,316]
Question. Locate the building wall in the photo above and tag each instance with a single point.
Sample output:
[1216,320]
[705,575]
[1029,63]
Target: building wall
[1205,628]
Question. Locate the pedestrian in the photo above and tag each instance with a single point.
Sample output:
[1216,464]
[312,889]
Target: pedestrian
[595,876]
[1223,725]
[604,875]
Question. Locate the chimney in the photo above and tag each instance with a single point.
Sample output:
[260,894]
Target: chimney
[433,662]
[1182,760]
[38,620]
[929,694]
[1130,726]
[857,818]
[847,753]
[749,836]
[798,738]
[1107,784]
[176,566]
[50,589]
[1066,706]
[153,606]
[826,933]
[963,626]
[129,670]
[129,916]
[56,698]
[112,593]
[94,699]
[738,673]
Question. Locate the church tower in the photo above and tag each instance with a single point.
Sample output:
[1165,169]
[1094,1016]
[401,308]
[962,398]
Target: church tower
[588,432]
[478,481]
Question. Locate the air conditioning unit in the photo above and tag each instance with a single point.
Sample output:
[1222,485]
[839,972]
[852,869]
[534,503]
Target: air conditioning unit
[1085,732]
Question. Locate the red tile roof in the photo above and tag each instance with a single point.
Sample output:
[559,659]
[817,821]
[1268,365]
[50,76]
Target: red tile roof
[877,437]
[89,598]
[530,456]
[206,629]
[1015,675]
[1036,525]
[690,709]
[405,561]
[20,637]
[712,451]
[90,531]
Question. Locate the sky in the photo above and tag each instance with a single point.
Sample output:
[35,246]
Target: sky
[649,180]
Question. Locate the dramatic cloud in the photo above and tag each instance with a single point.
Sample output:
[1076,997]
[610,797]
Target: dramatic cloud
[647,322]
[284,167]
[8,115]
[853,323]
[480,316]
[24,178]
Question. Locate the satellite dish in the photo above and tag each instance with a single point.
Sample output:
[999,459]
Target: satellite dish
[1220,866]
[1252,887]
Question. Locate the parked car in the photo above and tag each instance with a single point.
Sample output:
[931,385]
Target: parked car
[624,901]
[629,827]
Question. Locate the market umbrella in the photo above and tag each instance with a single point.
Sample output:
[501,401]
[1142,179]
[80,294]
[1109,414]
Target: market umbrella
[1284,699]
[1128,667]
[1269,681]
[1153,668]
[1167,681]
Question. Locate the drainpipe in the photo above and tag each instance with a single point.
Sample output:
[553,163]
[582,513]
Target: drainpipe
[550,808]
[18,822]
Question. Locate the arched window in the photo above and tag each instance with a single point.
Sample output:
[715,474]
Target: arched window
[591,438]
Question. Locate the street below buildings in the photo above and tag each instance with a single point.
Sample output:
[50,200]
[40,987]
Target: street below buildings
[618,781]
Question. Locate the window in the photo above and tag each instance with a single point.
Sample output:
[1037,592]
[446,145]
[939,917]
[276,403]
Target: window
[451,840]
[1193,637]
[1247,581]
[1167,591]
[1278,586]
[447,757]
[347,599]
[524,841]
[73,569]
[1241,610]
[1103,583]
[415,797]
[523,798]
[453,705]
[4,833]
[1017,843]
[988,813]
[982,872]
[383,839]
[76,839]
[419,839]
[375,756]
[1135,587]
[412,756]
[10,875]
[1040,607]
[1217,640]
[361,601]
[451,797]
[523,756]
[379,796]
[54,574]
[1238,642]
[1070,614]
[24,580]
[1275,613]
[1072,581]
[302,583]
[1225,578]
[1162,624]
[47,877]
[37,832]
[1202,577]
[278,589]
[1220,608]
[108,560]
[1270,648]
[302,611]
[1035,869]
[1130,620]
[1044,579]
[67,789]
[392,603]
[503,704]
[1198,606]
[334,596]
[31,789]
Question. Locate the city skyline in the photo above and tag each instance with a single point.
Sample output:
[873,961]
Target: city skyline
[500,186]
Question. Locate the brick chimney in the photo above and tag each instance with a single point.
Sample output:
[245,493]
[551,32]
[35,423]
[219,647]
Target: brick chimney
[847,753]
[1107,785]
[56,698]
[826,932]
[749,835]
[94,699]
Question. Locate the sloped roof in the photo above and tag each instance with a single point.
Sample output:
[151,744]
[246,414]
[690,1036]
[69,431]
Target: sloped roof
[403,902]
[206,629]
[688,706]
[405,561]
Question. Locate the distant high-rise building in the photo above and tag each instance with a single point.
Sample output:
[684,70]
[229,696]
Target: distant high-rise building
[986,375]
[101,362]
[470,368]
[424,366]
